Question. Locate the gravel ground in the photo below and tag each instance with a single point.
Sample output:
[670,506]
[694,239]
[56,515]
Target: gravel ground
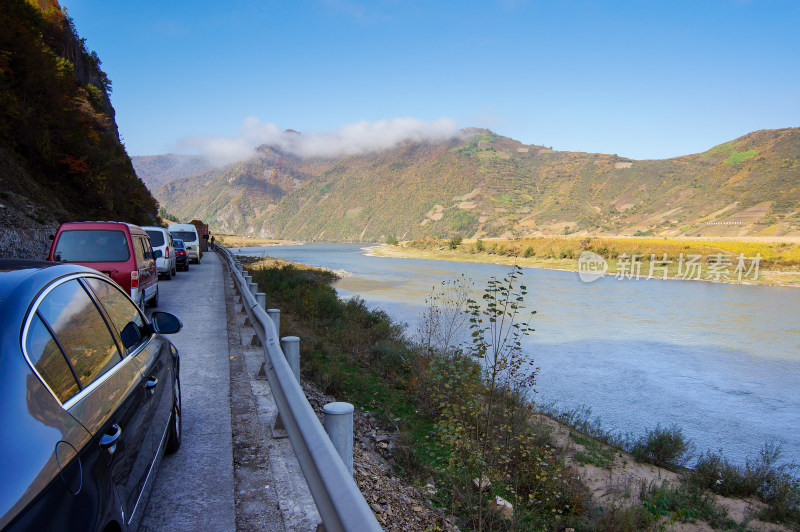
[397,504]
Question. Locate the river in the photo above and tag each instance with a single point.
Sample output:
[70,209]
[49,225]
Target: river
[720,361]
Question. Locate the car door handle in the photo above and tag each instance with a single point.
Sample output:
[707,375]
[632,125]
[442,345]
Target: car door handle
[151,383]
[109,439]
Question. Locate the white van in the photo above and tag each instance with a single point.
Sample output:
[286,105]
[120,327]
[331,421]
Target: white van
[161,239]
[191,240]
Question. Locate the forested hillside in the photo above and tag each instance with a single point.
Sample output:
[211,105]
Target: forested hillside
[483,184]
[60,153]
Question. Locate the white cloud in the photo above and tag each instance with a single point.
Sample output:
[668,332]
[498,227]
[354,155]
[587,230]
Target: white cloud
[219,151]
[351,139]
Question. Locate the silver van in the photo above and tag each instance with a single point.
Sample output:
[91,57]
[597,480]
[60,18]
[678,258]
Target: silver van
[161,239]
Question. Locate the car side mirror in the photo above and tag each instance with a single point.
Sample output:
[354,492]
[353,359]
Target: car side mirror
[165,323]
[157,254]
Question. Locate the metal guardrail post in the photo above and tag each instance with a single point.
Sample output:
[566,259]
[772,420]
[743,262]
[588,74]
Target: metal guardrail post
[275,315]
[261,297]
[290,345]
[339,426]
[253,288]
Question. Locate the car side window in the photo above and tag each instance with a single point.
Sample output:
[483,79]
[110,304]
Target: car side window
[45,355]
[139,250]
[80,330]
[124,315]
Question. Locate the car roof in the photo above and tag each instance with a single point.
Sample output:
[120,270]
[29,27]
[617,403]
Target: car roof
[72,226]
[14,272]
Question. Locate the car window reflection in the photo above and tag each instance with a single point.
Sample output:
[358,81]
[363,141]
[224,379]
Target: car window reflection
[124,315]
[81,331]
[49,361]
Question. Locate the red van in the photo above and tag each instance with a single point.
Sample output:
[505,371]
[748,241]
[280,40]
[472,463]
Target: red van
[121,251]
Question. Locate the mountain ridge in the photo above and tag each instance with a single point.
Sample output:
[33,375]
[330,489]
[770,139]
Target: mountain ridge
[483,184]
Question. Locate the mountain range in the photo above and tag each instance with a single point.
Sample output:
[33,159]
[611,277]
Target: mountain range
[480,184]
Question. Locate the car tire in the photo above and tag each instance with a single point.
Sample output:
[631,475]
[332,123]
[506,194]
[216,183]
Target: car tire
[168,275]
[175,428]
[154,302]
[174,270]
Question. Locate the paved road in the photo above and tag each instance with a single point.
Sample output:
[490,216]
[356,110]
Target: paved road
[194,489]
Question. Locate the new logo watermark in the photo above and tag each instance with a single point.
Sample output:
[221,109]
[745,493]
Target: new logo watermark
[718,267]
[591,266]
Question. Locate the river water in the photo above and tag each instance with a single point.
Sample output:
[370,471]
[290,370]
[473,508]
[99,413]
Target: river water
[720,361]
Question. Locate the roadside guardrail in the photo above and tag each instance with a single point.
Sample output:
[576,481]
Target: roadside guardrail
[339,501]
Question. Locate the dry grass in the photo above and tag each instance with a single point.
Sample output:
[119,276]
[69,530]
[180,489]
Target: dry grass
[235,241]
[779,257]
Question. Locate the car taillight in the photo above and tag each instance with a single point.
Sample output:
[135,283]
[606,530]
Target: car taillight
[167,252]
[135,279]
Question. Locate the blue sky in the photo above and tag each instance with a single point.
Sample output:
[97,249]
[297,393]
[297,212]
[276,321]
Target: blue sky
[644,79]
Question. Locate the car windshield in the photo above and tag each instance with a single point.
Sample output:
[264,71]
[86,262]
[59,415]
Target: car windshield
[177,244]
[156,238]
[91,246]
[184,235]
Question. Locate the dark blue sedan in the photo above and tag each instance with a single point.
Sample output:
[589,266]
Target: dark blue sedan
[89,399]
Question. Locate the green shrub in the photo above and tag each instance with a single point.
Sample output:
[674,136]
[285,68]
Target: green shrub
[461,221]
[763,477]
[454,242]
[623,519]
[664,447]
[782,494]
[685,504]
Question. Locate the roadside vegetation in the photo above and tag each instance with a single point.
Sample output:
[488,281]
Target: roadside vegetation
[469,431]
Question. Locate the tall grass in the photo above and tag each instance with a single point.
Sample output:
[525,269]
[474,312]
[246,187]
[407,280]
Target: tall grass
[775,254]
[763,477]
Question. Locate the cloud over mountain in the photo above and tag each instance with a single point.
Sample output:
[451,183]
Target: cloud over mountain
[351,139]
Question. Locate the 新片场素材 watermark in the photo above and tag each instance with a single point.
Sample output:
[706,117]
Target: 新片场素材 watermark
[718,267]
